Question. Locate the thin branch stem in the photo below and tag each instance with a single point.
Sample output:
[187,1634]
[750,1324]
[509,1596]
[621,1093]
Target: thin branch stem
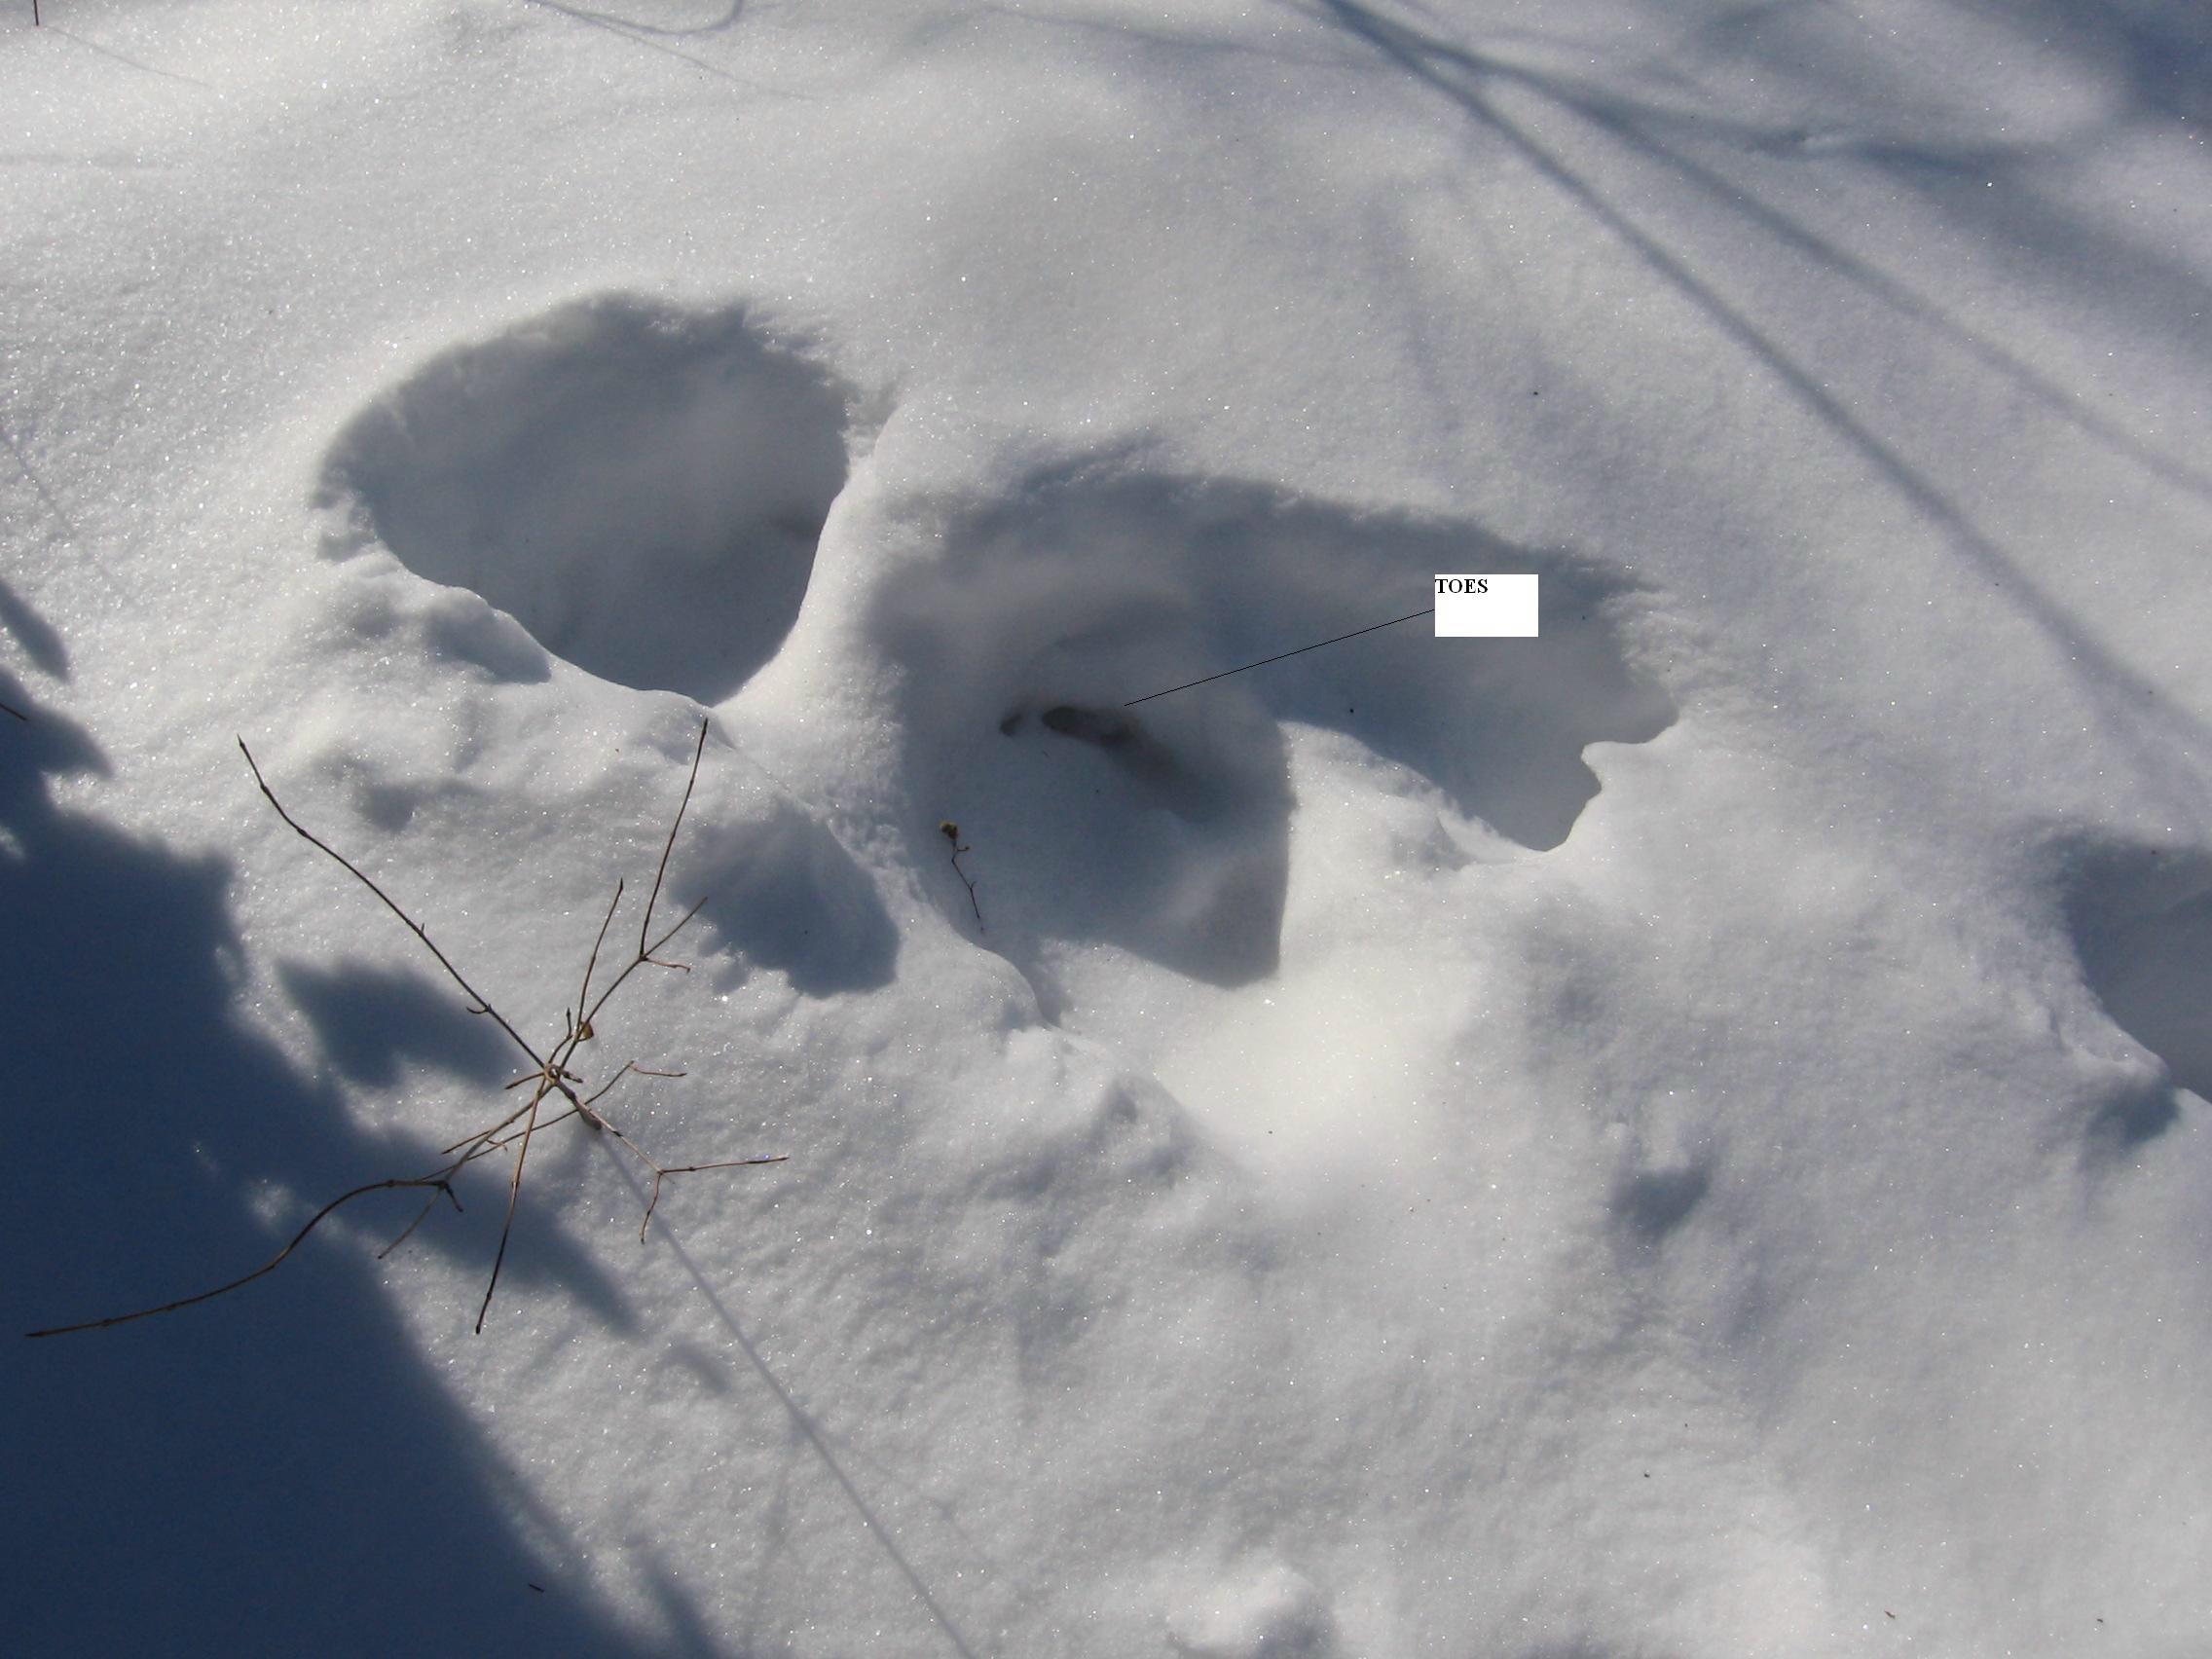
[505,1141]
[661,1175]
[652,953]
[607,1087]
[475,997]
[473,1140]
[268,1267]
[583,997]
[550,1075]
[660,871]
[507,1227]
[421,1216]
[951,832]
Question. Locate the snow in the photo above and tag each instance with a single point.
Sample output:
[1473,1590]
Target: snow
[1686,1135]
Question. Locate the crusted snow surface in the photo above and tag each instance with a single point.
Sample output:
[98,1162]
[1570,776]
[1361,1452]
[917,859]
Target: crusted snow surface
[1684,1137]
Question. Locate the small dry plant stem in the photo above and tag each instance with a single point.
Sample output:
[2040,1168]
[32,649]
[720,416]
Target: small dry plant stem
[553,1084]
[951,832]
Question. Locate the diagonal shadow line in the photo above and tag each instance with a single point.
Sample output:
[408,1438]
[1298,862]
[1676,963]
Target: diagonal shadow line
[728,17]
[1897,294]
[806,1424]
[2162,52]
[1420,54]
[1417,57]
[1160,39]
[1635,124]
[639,35]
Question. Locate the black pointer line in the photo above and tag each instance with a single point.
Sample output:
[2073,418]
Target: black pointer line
[1264,661]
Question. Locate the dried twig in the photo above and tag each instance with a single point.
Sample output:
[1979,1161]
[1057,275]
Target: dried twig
[268,1267]
[951,832]
[476,1002]
[550,1074]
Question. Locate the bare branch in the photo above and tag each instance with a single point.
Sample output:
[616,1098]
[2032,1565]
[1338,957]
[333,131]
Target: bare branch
[661,1175]
[951,832]
[583,997]
[472,1140]
[475,997]
[652,952]
[607,1087]
[268,1267]
[550,1075]
[421,1216]
[505,1141]
[660,872]
[506,1228]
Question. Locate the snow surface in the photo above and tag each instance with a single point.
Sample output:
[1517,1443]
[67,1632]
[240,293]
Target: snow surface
[1684,1137]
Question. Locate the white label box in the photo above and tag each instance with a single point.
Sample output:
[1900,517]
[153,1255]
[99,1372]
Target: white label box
[1487,607]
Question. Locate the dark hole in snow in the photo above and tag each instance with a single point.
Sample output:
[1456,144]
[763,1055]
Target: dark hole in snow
[2141,918]
[1653,1204]
[1102,726]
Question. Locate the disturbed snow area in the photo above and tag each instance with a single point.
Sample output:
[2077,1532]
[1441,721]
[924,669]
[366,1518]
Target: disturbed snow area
[1682,1136]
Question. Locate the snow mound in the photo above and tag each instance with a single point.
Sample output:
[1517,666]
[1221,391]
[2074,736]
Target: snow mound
[783,893]
[1264,1609]
[642,487]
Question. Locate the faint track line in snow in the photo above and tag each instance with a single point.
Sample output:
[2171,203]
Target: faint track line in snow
[730,15]
[133,63]
[814,1437]
[640,34]
[30,472]
[70,534]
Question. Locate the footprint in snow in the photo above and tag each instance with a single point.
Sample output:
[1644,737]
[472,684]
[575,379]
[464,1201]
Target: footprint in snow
[1163,829]
[638,485]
